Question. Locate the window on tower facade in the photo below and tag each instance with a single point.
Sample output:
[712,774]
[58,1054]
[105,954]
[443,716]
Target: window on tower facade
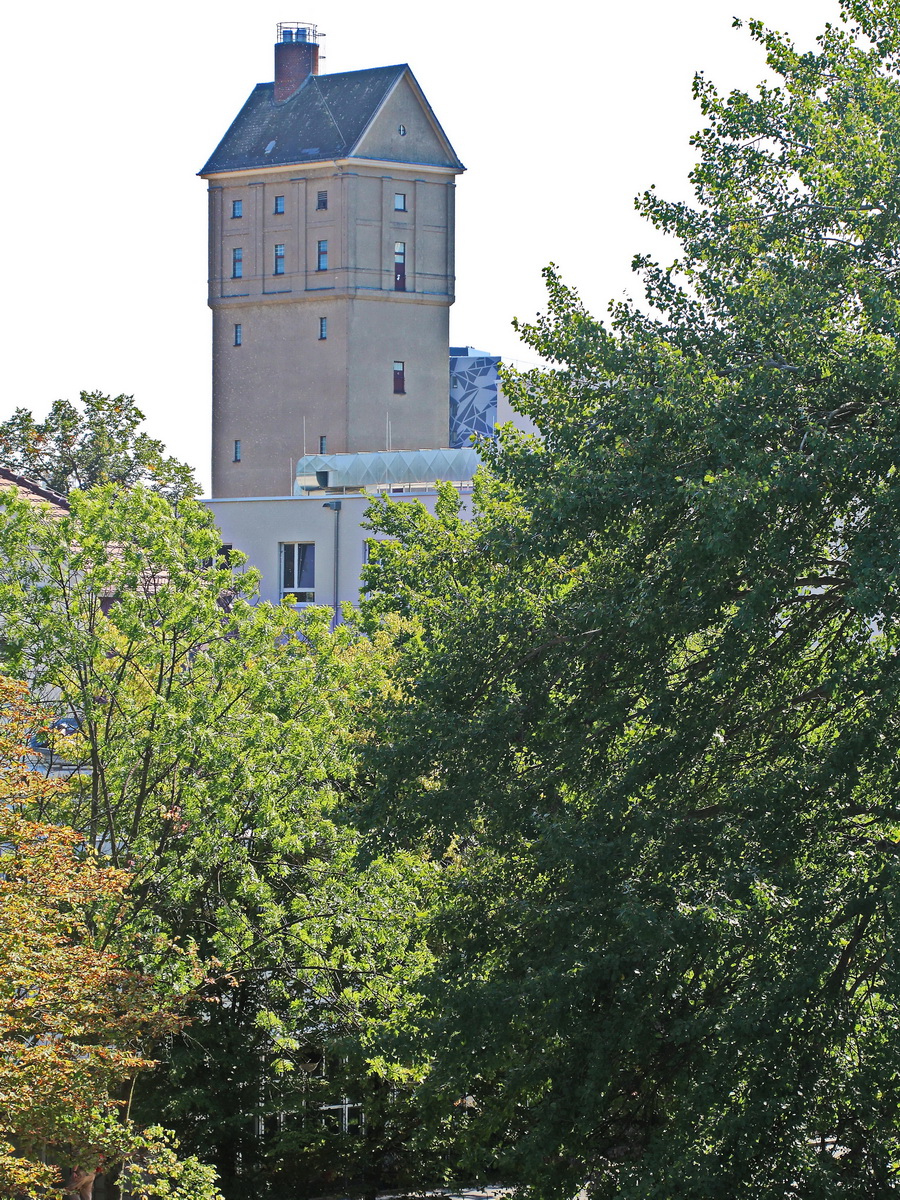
[399,201]
[321,200]
[298,572]
[237,263]
[279,258]
[399,378]
[323,328]
[322,256]
[237,208]
[237,450]
[323,444]
[238,335]
[399,266]
[279,204]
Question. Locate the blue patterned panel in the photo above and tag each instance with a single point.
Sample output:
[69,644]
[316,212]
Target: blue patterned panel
[473,398]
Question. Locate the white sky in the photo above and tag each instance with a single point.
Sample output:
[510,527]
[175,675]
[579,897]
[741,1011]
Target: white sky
[562,114]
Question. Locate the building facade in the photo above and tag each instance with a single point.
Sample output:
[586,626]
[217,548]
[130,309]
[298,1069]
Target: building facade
[331,270]
[331,241]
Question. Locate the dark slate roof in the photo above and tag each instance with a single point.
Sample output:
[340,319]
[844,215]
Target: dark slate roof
[324,119]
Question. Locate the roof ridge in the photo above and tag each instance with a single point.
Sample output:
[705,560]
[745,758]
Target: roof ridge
[44,492]
[328,109]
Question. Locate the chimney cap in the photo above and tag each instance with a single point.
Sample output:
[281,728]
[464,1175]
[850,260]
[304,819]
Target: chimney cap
[297,31]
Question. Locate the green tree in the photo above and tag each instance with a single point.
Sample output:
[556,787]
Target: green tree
[217,740]
[98,442]
[74,1022]
[652,712]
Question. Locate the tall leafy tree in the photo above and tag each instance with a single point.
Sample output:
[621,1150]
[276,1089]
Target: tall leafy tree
[74,1020]
[651,722]
[216,741]
[98,441]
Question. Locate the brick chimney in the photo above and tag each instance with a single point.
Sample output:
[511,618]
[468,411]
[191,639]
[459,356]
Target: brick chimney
[296,57]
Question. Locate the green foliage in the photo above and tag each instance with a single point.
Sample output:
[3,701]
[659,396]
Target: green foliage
[652,719]
[154,1171]
[73,1021]
[94,444]
[217,742]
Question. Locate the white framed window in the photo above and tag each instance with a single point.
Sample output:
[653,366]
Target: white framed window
[298,572]
[237,263]
[322,256]
[279,259]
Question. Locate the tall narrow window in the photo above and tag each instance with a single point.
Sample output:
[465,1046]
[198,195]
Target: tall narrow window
[237,208]
[399,201]
[279,204]
[323,328]
[322,256]
[399,378]
[237,263]
[321,200]
[323,443]
[238,334]
[279,258]
[298,572]
[237,450]
[399,266]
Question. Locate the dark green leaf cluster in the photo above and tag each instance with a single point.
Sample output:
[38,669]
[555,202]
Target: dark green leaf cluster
[651,718]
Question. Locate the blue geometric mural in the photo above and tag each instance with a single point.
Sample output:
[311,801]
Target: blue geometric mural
[473,395]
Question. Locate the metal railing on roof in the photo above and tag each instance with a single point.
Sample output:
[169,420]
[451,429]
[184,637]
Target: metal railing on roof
[288,31]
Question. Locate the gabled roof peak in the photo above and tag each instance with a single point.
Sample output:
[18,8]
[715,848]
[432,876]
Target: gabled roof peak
[325,118]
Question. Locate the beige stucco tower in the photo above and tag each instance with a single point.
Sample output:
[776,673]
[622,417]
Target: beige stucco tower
[331,270]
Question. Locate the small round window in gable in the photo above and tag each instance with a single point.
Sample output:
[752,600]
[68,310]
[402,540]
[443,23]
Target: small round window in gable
[401,129]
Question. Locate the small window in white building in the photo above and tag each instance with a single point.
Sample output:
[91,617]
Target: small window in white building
[279,204]
[237,208]
[323,328]
[322,256]
[238,335]
[237,263]
[279,259]
[399,201]
[401,129]
[237,450]
[298,572]
[321,200]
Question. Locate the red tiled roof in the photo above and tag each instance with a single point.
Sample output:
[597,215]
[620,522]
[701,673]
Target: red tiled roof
[33,492]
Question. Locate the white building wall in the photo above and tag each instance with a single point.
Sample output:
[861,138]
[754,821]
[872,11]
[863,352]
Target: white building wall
[258,526]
